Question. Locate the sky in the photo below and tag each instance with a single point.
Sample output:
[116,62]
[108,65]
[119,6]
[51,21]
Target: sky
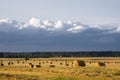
[59,25]
[86,11]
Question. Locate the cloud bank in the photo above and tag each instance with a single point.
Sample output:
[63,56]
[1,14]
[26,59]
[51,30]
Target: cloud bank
[37,35]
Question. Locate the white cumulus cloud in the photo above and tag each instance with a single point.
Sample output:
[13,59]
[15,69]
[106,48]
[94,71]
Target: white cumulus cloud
[69,26]
[77,29]
[59,24]
[34,22]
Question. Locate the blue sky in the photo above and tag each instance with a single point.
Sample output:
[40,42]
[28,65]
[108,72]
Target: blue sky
[86,11]
[59,25]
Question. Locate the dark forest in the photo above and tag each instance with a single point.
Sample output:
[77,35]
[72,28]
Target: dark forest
[59,54]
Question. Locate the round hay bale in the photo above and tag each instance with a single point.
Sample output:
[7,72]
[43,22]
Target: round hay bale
[67,64]
[46,61]
[37,66]
[51,65]
[1,64]
[31,66]
[101,64]
[10,63]
[61,63]
[107,62]
[17,62]
[77,63]
[1,61]
[39,63]
[43,62]
[23,62]
[72,63]
[90,62]
[30,63]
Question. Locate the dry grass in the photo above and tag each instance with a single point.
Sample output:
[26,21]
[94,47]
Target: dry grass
[23,71]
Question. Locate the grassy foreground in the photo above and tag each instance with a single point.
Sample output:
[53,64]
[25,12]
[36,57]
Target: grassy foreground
[22,71]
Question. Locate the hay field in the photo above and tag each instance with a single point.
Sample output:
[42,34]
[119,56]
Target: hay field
[59,69]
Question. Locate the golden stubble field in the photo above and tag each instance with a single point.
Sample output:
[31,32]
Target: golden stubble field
[59,69]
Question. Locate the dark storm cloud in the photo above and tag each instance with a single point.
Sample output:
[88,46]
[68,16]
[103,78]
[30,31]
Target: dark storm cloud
[37,35]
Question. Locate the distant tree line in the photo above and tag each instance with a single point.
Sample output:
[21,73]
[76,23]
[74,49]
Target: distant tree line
[59,54]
